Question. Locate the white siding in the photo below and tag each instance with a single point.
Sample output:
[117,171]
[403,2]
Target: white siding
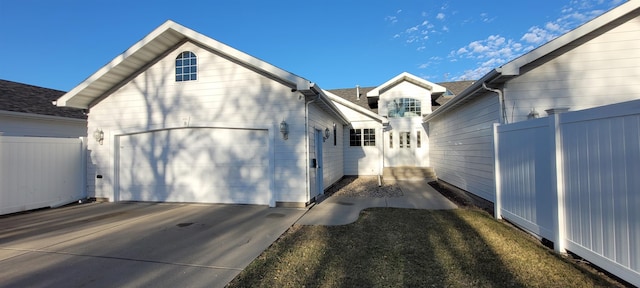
[332,155]
[461,145]
[226,95]
[363,160]
[16,125]
[601,71]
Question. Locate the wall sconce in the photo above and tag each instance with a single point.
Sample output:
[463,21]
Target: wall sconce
[284,129]
[98,135]
[327,133]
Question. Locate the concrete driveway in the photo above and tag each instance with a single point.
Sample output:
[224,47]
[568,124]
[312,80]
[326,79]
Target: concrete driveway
[136,244]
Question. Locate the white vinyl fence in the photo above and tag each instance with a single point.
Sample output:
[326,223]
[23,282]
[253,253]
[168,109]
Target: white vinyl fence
[38,172]
[574,178]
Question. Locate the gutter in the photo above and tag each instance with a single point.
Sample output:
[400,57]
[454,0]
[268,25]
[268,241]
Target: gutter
[41,117]
[490,77]
[306,140]
[500,99]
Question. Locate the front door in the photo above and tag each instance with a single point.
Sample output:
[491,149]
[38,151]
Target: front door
[400,148]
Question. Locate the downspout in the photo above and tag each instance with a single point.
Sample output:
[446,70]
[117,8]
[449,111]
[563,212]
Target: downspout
[306,139]
[503,108]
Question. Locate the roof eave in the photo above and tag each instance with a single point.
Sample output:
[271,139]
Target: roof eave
[167,35]
[350,105]
[491,77]
[514,66]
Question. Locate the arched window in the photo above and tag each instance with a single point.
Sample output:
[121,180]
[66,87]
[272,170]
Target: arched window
[404,107]
[186,67]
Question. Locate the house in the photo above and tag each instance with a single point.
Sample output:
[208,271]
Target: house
[598,63]
[181,117]
[27,110]
[386,128]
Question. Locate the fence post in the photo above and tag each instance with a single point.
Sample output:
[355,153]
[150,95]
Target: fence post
[497,204]
[557,183]
[83,159]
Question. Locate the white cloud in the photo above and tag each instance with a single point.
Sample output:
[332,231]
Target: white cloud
[392,19]
[412,29]
[440,16]
[445,28]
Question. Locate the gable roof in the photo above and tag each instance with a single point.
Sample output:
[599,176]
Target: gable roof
[540,55]
[404,76]
[155,45]
[23,98]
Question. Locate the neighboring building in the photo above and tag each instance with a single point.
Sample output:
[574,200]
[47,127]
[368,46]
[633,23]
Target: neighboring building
[27,110]
[181,117]
[598,63]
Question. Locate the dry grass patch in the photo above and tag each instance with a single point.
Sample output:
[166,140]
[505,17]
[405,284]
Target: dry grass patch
[413,248]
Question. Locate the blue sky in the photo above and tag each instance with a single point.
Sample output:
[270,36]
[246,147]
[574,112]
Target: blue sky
[335,43]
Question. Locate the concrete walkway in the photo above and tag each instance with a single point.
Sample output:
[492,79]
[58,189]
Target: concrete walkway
[336,210]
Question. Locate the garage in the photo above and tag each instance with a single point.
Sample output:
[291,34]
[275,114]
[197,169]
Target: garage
[204,165]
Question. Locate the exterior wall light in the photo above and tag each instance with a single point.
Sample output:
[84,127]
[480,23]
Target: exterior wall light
[327,133]
[98,135]
[284,129]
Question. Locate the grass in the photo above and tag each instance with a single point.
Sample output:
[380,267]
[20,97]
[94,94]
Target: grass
[414,248]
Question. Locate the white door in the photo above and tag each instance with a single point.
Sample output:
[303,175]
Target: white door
[400,148]
[211,165]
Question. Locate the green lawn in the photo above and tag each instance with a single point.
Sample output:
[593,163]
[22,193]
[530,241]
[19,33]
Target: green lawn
[414,248]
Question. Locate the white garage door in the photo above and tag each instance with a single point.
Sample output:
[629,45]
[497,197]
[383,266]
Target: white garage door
[210,165]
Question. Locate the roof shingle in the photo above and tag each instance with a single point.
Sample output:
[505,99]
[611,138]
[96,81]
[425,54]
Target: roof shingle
[24,98]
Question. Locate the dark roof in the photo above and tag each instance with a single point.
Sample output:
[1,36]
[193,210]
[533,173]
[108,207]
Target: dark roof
[456,87]
[372,104]
[351,94]
[24,98]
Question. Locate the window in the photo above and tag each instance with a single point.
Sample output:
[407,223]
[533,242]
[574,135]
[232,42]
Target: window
[390,139]
[186,67]
[369,137]
[405,140]
[404,107]
[355,137]
[335,135]
[362,137]
[418,144]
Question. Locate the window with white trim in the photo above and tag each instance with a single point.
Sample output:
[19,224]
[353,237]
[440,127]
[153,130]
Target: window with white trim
[403,107]
[369,136]
[186,67]
[362,137]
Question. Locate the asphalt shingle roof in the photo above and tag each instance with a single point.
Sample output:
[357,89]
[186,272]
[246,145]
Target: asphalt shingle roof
[350,94]
[24,98]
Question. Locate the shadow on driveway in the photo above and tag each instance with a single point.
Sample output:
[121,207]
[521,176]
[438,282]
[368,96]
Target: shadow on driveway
[136,244]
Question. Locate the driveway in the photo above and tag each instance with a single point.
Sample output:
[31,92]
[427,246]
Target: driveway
[136,244]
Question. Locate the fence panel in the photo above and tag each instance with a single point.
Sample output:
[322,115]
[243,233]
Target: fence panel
[583,191]
[524,153]
[38,172]
[601,156]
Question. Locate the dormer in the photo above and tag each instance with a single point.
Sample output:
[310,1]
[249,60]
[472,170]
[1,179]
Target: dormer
[405,95]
